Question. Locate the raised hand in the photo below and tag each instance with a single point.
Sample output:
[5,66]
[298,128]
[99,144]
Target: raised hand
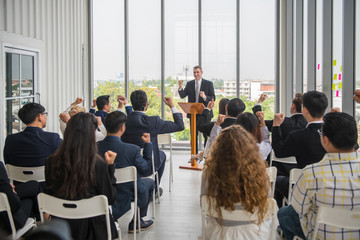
[262,97]
[278,119]
[110,157]
[146,137]
[211,104]
[260,116]
[220,119]
[202,94]
[168,101]
[180,83]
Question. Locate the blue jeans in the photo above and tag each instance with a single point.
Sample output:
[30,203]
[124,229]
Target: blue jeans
[290,223]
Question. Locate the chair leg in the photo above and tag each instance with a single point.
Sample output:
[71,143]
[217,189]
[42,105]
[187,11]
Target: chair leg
[171,172]
[157,186]
[153,203]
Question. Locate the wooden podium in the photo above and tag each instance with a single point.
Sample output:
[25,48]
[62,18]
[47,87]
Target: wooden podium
[193,109]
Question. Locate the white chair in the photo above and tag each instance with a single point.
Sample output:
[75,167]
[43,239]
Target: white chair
[236,215]
[75,209]
[129,174]
[337,217]
[272,172]
[24,174]
[165,139]
[289,160]
[294,176]
[5,206]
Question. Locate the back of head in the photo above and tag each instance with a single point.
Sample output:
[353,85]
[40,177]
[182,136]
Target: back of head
[250,123]
[114,121]
[341,130]
[235,107]
[222,105]
[74,162]
[298,101]
[316,103]
[102,101]
[29,112]
[138,100]
[235,164]
[76,109]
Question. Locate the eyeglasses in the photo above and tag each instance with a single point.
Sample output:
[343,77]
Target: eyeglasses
[45,113]
[320,132]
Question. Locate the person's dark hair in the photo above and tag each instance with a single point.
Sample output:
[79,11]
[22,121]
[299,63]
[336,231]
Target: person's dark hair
[114,121]
[298,101]
[341,130]
[251,124]
[29,112]
[102,101]
[138,100]
[74,162]
[316,103]
[198,66]
[235,107]
[222,104]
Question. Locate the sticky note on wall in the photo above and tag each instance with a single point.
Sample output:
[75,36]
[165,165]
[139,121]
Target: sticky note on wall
[335,76]
[334,62]
[333,86]
[340,85]
[339,76]
[318,66]
[340,68]
[337,93]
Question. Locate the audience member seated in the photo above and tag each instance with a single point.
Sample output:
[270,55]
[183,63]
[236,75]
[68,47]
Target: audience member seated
[222,111]
[22,201]
[138,123]
[129,155]
[295,122]
[103,104]
[304,144]
[235,174]
[76,171]
[256,126]
[73,109]
[234,107]
[333,182]
[33,145]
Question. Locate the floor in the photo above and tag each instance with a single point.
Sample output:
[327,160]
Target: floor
[178,215]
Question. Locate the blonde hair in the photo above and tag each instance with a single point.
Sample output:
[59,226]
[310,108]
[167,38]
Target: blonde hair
[236,173]
[76,109]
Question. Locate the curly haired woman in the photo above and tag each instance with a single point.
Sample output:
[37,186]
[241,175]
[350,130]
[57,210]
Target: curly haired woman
[235,175]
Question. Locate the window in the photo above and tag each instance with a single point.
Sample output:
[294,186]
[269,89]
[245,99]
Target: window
[20,88]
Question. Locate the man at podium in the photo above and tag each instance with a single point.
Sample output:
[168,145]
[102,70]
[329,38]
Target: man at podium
[198,90]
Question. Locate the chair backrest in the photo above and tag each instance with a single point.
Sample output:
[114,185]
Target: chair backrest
[289,160]
[24,174]
[5,206]
[164,138]
[237,214]
[294,176]
[127,174]
[272,172]
[75,209]
[337,217]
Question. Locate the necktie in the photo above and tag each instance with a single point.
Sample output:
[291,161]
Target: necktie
[197,91]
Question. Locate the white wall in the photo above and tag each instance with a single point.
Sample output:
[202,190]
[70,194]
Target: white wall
[58,29]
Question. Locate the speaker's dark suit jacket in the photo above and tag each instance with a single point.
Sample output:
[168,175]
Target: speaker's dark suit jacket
[304,144]
[138,123]
[31,147]
[129,155]
[205,125]
[295,122]
[189,91]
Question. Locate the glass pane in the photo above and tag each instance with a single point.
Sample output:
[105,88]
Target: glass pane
[12,74]
[144,51]
[337,54]
[219,47]
[357,60]
[181,53]
[12,119]
[319,37]
[257,49]
[305,47]
[109,49]
[27,75]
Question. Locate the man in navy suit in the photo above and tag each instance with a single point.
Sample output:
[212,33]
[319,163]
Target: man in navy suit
[305,143]
[129,155]
[138,123]
[198,90]
[31,147]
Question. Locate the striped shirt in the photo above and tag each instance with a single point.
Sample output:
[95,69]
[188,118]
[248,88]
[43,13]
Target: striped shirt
[335,182]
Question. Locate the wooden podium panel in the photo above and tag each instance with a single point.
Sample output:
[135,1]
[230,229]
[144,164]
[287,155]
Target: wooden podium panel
[193,109]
